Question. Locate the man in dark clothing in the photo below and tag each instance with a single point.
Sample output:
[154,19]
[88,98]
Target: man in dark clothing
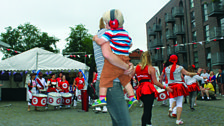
[220,82]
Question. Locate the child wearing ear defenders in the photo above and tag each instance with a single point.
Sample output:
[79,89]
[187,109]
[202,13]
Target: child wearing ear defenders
[120,43]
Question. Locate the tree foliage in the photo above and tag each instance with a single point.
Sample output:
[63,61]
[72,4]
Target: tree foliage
[26,37]
[79,43]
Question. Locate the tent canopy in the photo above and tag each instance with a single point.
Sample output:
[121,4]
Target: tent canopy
[40,59]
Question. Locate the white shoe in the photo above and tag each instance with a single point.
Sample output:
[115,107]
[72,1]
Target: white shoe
[97,109]
[60,106]
[68,106]
[104,109]
[46,108]
[179,122]
[75,103]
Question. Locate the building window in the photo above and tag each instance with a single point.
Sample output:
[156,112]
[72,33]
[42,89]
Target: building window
[222,24]
[205,8]
[192,3]
[208,58]
[192,16]
[206,29]
[196,59]
[193,24]
[194,38]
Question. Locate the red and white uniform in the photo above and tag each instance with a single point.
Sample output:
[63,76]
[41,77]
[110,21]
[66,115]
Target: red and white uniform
[95,78]
[41,82]
[32,90]
[64,86]
[146,87]
[79,82]
[192,82]
[53,86]
[58,79]
[177,83]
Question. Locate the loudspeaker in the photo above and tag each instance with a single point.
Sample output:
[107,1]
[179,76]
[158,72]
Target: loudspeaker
[18,77]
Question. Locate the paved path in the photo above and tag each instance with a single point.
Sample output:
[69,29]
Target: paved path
[207,113]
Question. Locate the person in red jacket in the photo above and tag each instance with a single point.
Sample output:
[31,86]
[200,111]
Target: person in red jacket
[52,84]
[78,84]
[63,86]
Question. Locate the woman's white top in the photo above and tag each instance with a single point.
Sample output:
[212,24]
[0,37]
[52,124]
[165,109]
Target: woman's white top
[190,80]
[176,75]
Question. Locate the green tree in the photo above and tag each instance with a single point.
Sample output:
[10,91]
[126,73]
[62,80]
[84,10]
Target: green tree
[26,37]
[79,40]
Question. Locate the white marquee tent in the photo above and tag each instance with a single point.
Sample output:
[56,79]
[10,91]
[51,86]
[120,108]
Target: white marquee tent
[40,59]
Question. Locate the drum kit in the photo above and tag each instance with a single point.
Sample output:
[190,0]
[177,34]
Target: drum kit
[53,98]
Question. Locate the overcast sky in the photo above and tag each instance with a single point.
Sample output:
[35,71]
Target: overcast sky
[56,16]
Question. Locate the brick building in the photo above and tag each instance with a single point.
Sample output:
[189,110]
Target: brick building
[181,22]
[135,56]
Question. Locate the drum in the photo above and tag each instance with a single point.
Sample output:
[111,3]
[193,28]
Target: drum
[39,100]
[54,99]
[162,95]
[43,91]
[66,98]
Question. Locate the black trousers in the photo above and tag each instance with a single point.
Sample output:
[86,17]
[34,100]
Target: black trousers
[214,85]
[147,112]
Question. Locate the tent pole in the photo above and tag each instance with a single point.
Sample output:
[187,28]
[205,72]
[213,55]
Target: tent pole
[37,62]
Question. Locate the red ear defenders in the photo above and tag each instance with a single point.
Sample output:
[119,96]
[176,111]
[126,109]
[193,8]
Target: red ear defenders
[113,23]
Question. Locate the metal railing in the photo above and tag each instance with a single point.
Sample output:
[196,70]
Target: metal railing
[179,30]
[170,35]
[178,11]
[169,18]
[215,8]
[157,28]
[217,58]
[180,49]
[156,43]
[216,33]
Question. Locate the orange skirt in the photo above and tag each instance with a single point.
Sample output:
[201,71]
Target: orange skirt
[193,87]
[178,90]
[146,88]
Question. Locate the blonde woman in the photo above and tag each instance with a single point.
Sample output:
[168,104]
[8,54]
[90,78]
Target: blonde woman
[146,92]
[212,79]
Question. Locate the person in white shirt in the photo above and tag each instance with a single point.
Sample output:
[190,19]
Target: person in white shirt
[192,85]
[41,81]
[33,88]
[205,74]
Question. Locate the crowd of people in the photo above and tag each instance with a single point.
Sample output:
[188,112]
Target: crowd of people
[115,73]
[38,84]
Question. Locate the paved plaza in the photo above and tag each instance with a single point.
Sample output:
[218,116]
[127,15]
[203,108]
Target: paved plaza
[207,113]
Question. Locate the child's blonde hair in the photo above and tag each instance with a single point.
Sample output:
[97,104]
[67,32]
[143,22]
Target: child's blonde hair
[145,59]
[117,15]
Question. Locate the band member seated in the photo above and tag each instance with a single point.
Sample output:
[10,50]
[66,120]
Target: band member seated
[41,81]
[52,84]
[33,88]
